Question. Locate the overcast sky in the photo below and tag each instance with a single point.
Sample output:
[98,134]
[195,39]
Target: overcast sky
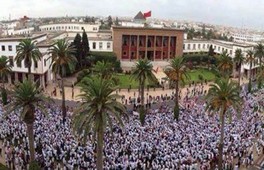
[240,13]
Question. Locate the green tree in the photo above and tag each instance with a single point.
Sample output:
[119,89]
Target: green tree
[177,72]
[62,59]
[191,33]
[28,51]
[104,69]
[142,72]
[85,47]
[211,51]
[110,21]
[222,97]
[26,98]
[97,111]
[203,31]
[117,21]
[77,43]
[239,60]
[225,64]
[5,69]
[249,60]
[260,77]
[259,53]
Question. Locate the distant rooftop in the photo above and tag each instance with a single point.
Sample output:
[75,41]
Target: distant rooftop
[148,28]
[139,16]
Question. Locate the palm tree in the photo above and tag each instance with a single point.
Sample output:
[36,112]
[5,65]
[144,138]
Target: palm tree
[225,64]
[222,97]
[142,72]
[28,51]
[5,69]
[62,59]
[260,77]
[250,59]
[26,98]
[259,52]
[239,60]
[97,111]
[177,72]
[105,69]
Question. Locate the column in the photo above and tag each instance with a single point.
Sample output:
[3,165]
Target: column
[137,54]
[169,46]
[146,47]
[162,38]
[154,53]
[129,47]
[9,79]
[24,76]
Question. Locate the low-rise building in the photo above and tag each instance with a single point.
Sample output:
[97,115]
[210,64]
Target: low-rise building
[41,69]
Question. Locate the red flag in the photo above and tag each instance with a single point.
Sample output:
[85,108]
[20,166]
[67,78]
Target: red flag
[147,14]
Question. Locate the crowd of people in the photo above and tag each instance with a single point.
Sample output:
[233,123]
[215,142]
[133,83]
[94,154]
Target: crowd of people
[162,143]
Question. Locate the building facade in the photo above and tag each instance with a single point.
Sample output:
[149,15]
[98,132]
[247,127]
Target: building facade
[41,70]
[155,44]
[202,46]
[71,26]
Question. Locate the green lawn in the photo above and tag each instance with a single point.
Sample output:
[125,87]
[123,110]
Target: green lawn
[125,81]
[206,74]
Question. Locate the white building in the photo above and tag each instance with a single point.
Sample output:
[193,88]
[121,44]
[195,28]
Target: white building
[202,46]
[41,69]
[71,26]
[20,31]
[240,37]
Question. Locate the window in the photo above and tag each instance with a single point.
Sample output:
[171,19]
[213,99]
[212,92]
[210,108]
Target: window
[218,48]
[203,46]
[124,53]
[45,62]
[230,52]
[3,48]
[108,45]
[11,61]
[223,49]
[94,45]
[194,46]
[189,46]
[184,46]
[100,45]
[10,48]
[36,64]
[199,46]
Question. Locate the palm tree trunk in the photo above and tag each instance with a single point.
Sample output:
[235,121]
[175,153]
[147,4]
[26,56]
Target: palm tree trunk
[30,134]
[176,107]
[99,148]
[142,93]
[250,77]
[239,75]
[30,77]
[221,144]
[142,107]
[63,107]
